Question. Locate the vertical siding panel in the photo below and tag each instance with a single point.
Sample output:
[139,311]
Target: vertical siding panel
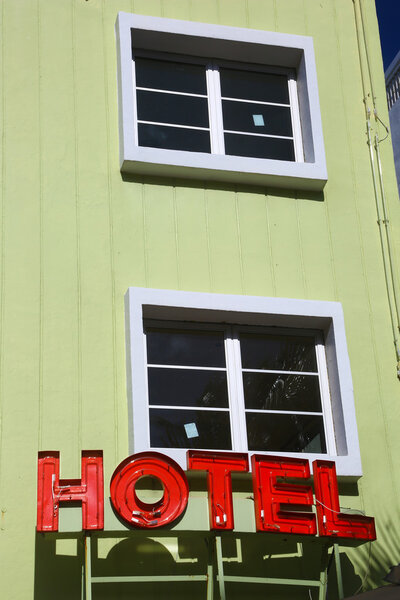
[2,214]
[152,8]
[60,275]
[340,192]
[176,9]
[290,17]
[286,249]
[206,11]
[21,296]
[255,245]
[129,234]
[97,297]
[126,232]
[194,268]
[160,237]
[262,15]
[224,242]
[233,12]
[316,250]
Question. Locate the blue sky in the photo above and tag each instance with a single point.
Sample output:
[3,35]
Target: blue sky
[389,26]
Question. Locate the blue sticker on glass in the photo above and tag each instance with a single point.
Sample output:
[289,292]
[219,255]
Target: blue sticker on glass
[191,430]
[258,120]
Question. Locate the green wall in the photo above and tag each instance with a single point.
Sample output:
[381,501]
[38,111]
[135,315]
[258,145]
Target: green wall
[75,235]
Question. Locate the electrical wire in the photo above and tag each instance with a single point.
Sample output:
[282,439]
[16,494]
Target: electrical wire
[341,508]
[364,579]
[377,117]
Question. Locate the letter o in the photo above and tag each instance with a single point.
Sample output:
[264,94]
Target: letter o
[142,514]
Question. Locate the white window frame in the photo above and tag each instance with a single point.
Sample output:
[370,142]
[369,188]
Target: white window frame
[249,47]
[253,312]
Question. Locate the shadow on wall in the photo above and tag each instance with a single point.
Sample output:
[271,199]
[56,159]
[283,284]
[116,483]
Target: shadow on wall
[315,196]
[384,553]
[59,566]
[373,561]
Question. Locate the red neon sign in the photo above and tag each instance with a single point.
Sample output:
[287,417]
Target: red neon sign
[219,466]
[272,496]
[331,522]
[52,490]
[141,514]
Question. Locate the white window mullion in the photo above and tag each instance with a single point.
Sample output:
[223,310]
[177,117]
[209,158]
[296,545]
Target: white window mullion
[232,390]
[135,117]
[237,402]
[215,109]
[325,397]
[146,401]
[296,124]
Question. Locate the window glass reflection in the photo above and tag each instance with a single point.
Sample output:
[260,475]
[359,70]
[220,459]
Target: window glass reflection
[170,108]
[270,391]
[185,347]
[285,433]
[174,138]
[278,352]
[168,75]
[258,147]
[205,429]
[249,85]
[187,387]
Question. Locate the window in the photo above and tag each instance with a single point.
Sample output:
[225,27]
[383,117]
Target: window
[239,373]
[233,109]
[222,103]
[237,388]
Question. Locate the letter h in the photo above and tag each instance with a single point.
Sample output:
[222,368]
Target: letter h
[52,490]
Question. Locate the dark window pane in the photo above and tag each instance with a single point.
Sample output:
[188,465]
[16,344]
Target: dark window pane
[257,118]
[174,138]
[254,86]
[285,433]
[171,108]
[187,387]
[186,348]
[282,392]
[278,352]
[165,75]
[203,429]
[258,147]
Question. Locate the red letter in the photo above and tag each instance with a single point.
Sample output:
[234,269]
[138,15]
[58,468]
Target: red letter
[331,522]
[141,514]
[219,466]
[88,490]
[269,495]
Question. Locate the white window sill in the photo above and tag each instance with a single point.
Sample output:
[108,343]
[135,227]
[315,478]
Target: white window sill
[231,169]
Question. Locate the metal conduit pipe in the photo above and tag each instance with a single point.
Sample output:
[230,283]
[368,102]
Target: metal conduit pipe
[371,83]
[380,174]
[383,224]
[382,242]
[387,229]
[363,78]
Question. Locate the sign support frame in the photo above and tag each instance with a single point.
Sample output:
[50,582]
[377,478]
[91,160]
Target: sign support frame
[215,558]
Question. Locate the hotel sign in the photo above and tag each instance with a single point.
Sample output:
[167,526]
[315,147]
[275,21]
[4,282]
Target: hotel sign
[282,502]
